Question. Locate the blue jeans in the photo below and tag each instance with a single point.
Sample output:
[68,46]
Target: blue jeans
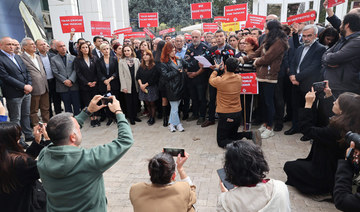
[174,115]
[19,113]
[71,98]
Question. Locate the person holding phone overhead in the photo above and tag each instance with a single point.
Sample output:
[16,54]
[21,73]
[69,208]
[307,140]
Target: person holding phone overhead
[252,192]
[164,193]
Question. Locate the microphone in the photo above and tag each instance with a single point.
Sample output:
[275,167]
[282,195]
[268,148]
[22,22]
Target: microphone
[218,58]
[231,53]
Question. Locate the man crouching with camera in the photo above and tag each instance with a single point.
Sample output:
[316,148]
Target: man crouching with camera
[347,176]
[73,176]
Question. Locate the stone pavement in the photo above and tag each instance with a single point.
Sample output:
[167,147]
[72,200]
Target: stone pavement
[205,158]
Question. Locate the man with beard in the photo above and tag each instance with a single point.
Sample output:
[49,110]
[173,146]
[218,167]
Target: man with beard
[341,62]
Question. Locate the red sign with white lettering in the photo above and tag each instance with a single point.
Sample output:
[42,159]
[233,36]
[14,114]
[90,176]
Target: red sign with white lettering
[147,31]
[201,10]
[332,3]
[309,16]
[102,28]
[122,31]
[234,13]
[72,24]
[219,19]
[134,35]
[249,84]
[210,27]
[166,31]
[148,20]
[255,21]
[188,37]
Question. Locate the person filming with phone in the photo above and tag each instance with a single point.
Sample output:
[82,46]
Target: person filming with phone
[315,175]
[73,176]
[164,194]
[347,176]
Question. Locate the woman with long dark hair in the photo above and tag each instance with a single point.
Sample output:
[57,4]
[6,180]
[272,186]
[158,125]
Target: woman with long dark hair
[128,67]
[148,77]
[108,76]
[163,103]
[164,193]
[267,60]
[173,74]
[316,173]
[85,67]
[18,169]
[329,37]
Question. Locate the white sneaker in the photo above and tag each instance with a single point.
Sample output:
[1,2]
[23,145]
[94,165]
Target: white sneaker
[262,128]
[172,128]
[267,134]
[180,128]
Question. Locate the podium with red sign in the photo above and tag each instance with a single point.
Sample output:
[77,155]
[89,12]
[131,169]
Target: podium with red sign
[249,86]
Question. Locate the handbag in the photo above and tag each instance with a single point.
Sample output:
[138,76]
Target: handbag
[38,197]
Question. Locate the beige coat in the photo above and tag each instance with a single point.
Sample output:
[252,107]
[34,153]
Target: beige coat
[176,197]
[39,80]
[124,75]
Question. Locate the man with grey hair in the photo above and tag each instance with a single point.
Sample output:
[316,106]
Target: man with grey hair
[155,43]
[73,176]
[179,45]
[197,78]
[16,87]
[208,36]
[40,92]
[17,49]
[304,71]
[52,50]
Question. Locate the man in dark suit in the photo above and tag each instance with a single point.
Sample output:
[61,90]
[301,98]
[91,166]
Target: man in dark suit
[63,70]
[304,71]
[40,92]
[96,51]
[16,87]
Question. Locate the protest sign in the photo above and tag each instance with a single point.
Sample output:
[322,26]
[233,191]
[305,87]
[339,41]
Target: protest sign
[230,27]
[72,24]
[134,35]
[102,28]
[148,20]
[122,31]
[147,31]
[166,31]
[201,10]
[235,12]
[249,84]
[210,27]
[309,16]
[255,21]
[219,19]
[333,3]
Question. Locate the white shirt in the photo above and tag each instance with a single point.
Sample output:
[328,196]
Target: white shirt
[33,59]
[46,61]
[98,52]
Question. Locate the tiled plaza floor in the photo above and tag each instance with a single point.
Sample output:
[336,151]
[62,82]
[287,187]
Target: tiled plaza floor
[205,158]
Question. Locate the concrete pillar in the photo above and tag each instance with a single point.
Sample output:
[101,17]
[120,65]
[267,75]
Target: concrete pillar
[341,10]
[284,9]
[263,7]
[91,10]
[316,7]
[57,9]
[122,16]
[255,7]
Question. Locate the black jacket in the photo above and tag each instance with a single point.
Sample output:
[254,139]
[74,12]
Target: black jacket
[174,79]
[344,199]
[309,70]
[85,74]
[13,79]
[113,71]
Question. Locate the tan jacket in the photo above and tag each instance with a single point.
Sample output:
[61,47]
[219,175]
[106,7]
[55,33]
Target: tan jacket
[125,77]
[176,197]
[39,80]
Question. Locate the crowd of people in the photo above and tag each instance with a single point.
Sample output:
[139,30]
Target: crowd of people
[301,71]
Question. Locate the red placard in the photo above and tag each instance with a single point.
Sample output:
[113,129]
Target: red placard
[210,27]
[147,31]
[255,21]
[148,20]
[284,23]
[122,31]
[332,3]
[309,16]
[249,84]
[102,28]
[188,37]
[166,31]
[219,19]
[234,13]
[72,24]
[201,10]
[134,35]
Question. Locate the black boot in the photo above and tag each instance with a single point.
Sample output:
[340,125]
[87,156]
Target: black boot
[165,116]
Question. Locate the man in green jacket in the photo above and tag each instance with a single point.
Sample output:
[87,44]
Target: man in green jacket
[73,176]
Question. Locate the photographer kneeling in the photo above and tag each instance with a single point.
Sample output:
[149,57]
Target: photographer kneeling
[347,175]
